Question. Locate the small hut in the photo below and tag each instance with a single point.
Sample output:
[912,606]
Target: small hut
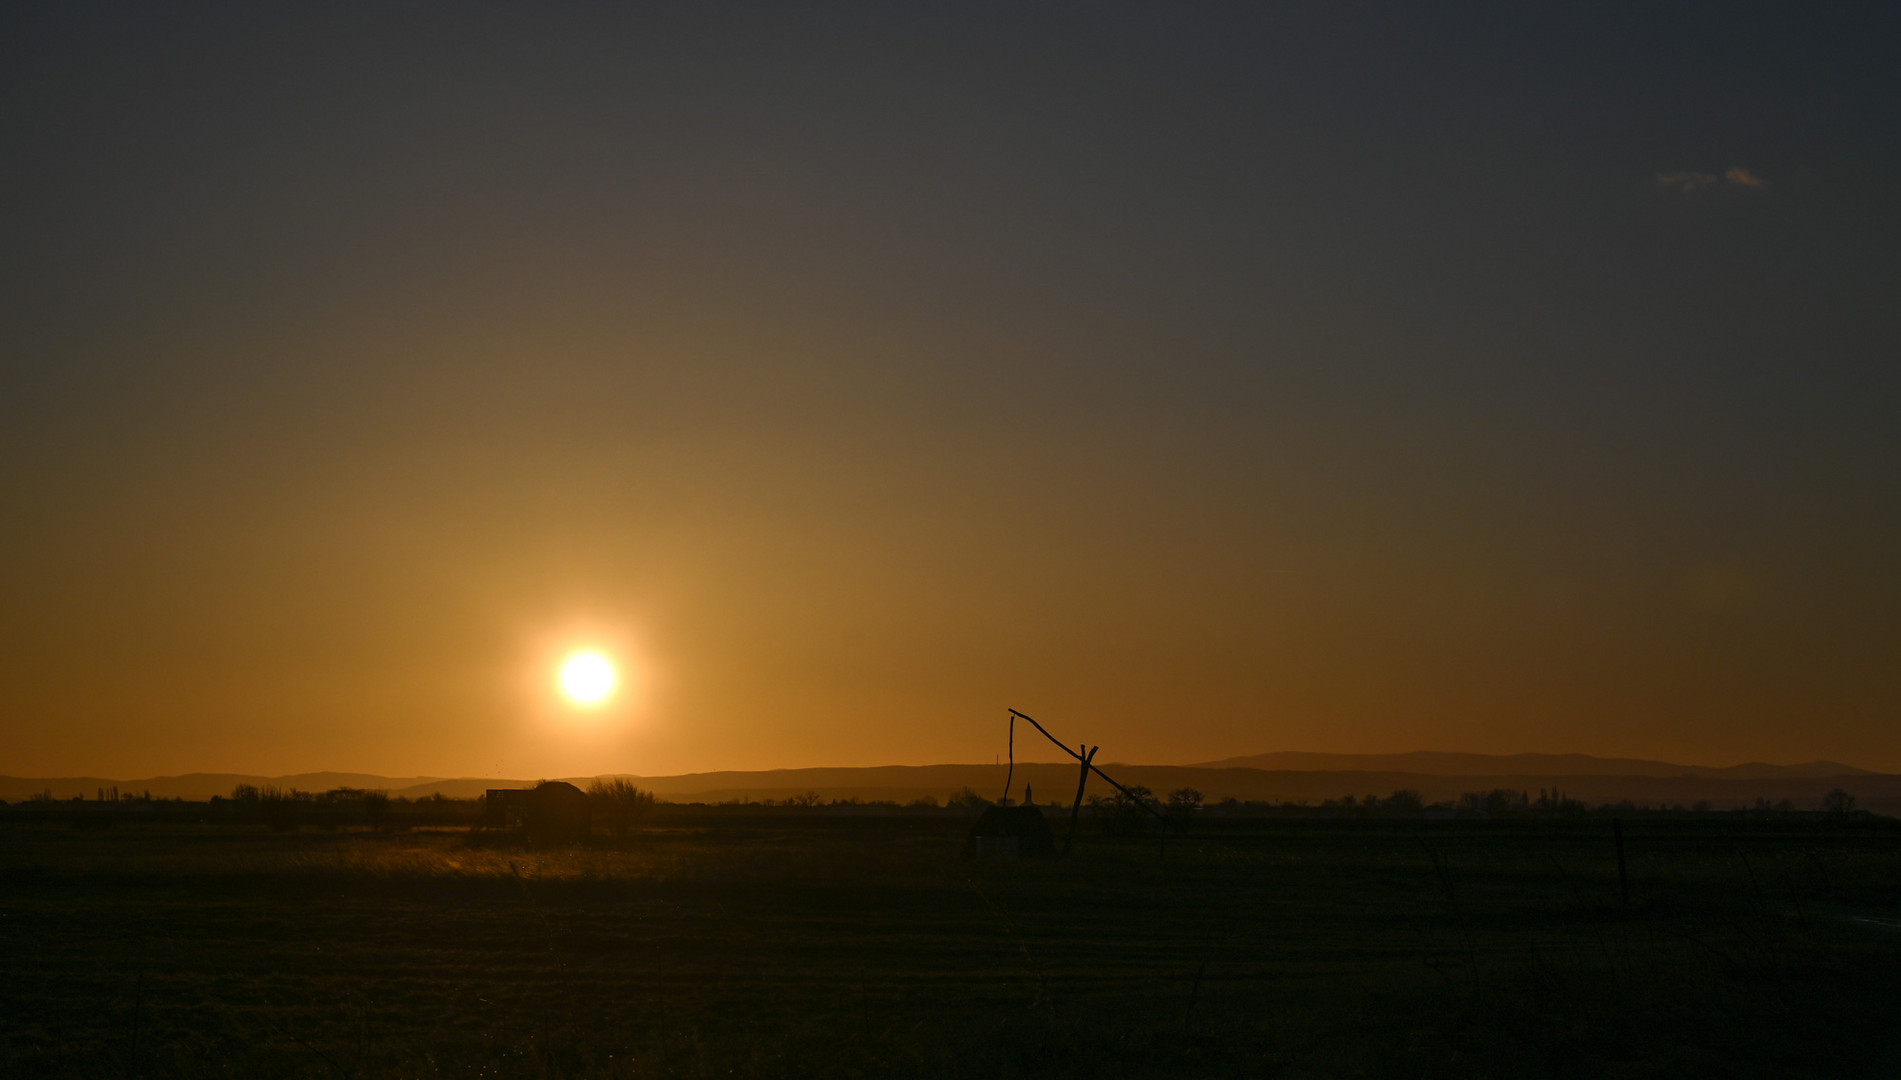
[551,812]
[1010,832]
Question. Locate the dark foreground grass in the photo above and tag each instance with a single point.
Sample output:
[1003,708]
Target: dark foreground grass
[787,945]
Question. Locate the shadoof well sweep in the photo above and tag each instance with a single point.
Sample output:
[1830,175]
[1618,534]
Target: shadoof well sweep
[1008,829]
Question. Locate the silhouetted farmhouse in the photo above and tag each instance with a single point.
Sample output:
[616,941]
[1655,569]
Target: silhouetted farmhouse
[1009,832]
[551,812]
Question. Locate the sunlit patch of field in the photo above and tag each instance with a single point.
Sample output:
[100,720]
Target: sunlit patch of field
[783,945]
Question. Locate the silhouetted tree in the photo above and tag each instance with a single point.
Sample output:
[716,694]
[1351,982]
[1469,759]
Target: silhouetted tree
[1495,801]
[1184,800]
[279,808]
[966,799]
[1123,814]
[619,803]
[1838,802]
[1403,801]
[1184,803]
[375,808]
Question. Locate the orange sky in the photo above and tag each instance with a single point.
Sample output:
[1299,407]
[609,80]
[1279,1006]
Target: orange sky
[854,379]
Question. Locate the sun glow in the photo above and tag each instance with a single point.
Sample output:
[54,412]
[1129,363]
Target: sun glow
[588,678]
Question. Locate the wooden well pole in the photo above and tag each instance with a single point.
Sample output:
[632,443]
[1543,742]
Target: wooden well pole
[1010,776]
[1088,763]
[1082,781]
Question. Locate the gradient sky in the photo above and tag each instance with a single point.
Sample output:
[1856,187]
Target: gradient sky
[1204,379]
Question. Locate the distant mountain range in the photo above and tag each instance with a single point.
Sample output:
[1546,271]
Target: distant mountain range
[1437,763]
[1274,777]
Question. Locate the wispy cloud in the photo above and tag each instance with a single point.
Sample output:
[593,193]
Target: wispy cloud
[1686,181]
[1695,181]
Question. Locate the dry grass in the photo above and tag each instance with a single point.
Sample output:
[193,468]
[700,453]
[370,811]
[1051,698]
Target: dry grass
[779,945]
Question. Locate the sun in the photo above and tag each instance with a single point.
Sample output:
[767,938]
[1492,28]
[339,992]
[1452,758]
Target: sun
[588,678]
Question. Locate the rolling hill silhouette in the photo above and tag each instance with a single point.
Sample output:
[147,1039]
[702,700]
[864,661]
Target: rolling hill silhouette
[1282,777]
[1439,763]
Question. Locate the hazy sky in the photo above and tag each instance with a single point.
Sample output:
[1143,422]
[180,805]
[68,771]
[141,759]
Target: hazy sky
[1204,379]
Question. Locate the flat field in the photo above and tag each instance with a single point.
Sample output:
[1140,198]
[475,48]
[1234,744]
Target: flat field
[796,942]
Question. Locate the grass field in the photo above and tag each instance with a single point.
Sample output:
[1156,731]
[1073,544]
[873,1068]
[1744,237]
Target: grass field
[789,944]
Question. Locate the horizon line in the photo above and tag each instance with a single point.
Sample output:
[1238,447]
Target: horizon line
[1216,763]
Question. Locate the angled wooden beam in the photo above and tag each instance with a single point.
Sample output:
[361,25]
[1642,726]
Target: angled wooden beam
[1090,766]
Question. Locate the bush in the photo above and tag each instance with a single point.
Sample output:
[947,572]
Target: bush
[966,799]
[1405,801]
[375,808]
[619,803]
[1183,804]
[1123,814]
[278,809]
[1495,802]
